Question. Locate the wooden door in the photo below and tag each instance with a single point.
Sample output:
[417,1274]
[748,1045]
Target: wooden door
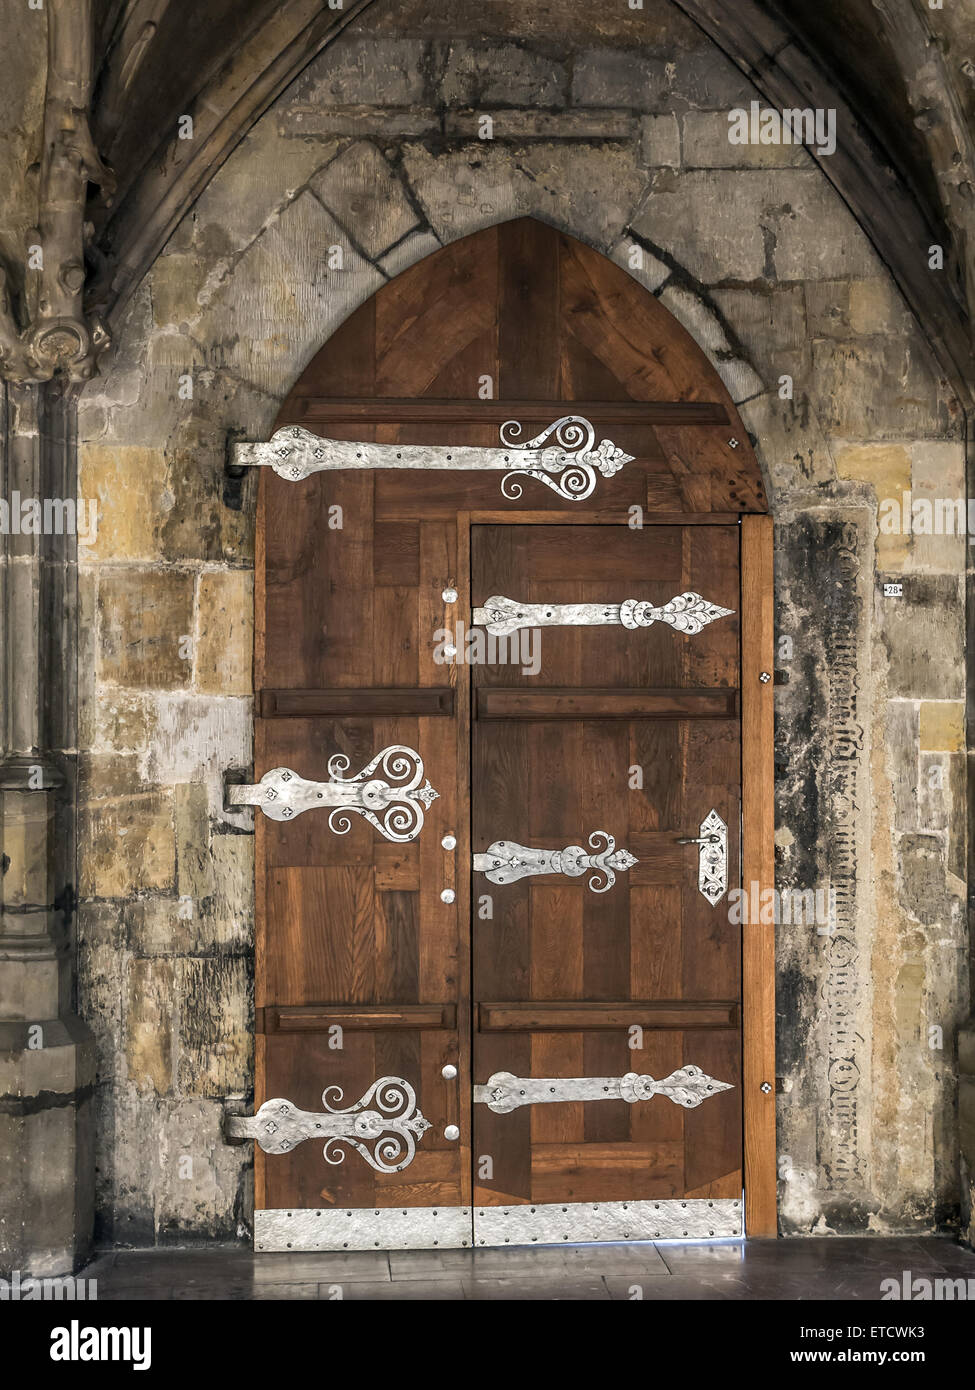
[364,970]
[632,734]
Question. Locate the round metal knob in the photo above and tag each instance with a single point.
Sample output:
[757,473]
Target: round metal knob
[448,1072]
[451,1132]
[447,896]
[449,595]
[449,651]
[449,842]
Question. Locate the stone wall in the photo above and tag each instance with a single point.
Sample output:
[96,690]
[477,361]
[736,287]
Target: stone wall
[615,128]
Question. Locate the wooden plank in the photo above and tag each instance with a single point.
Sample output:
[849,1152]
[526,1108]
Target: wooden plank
[319,1018]
[500,702]
[393,700]
[308,410]
[561,1016]
[758,866]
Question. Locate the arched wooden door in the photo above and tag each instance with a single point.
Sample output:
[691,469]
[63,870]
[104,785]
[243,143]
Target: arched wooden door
[542,976]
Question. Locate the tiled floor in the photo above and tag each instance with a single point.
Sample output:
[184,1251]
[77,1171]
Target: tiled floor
[823,1267]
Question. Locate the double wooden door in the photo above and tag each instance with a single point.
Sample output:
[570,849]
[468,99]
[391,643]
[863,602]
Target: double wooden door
[499,995]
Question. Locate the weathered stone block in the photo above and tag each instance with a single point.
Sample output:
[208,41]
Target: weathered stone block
[660,142]
[707,146]
[151,1000]
[879,388]
[591,191]
[147,626]
[942,725]
[489,74]
[901,742]
[129,486]
[364,194]
[705,328]
[305,273]
[215,1043]
[225,632]
[128,846]
[618,77]
[923,633]
[734,246]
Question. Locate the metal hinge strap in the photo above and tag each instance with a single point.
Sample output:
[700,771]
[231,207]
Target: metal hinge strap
[687,612]
[394,806]
[687,1087]
[568,467]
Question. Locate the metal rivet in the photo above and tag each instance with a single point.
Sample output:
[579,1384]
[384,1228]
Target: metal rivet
[450,651]
[447,896]
[449,842]
[451,1132]
[448,1072]
[766,1088]
[765,678]
[449,595]
[732,443]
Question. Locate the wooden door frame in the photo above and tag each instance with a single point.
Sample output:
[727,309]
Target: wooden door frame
[758,866]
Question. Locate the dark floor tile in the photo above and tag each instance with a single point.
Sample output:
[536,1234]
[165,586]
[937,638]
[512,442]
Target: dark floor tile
[536,1290]
[675,1289]
[409,1291]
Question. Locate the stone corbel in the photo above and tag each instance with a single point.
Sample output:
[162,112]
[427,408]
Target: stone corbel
[58,337]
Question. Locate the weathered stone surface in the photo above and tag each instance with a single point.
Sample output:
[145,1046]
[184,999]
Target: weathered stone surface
[942,725]
[215,1047]
[145,615]
[488,74]
[593,191]
[363,193]
[922,635]
[878,388]
[707,146]
[297,282]
[660,138]
[734,247]
[361,71]
[149,1024]
[703,325]
[618,77]
[225,632]
[641,264]
[129,846]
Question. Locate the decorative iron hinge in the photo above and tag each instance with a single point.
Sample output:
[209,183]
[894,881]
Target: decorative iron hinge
[712,858]
[506,862]
[393,1129]
[686,613]
[569,466]
[687,1087]
[394,807]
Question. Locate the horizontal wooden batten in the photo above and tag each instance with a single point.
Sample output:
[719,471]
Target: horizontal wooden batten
[302,409]
[551,1016]
[419,702]
[318,1018]
[502,702]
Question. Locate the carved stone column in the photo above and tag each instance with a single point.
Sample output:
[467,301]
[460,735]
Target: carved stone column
[46,1052]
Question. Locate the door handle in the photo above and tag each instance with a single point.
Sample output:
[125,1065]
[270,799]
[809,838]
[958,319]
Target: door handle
[712,857]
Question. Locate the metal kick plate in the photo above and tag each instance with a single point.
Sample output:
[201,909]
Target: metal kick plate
[558,1223]
[552,1223]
